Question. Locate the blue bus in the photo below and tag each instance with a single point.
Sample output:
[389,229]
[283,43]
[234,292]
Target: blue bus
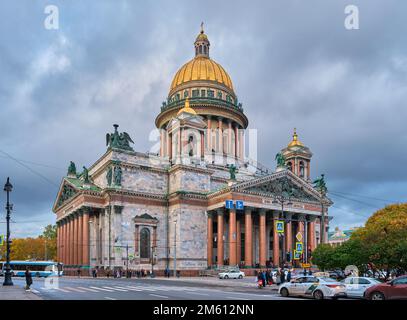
[37,268]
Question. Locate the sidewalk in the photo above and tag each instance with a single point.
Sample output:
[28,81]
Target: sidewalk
[16,293]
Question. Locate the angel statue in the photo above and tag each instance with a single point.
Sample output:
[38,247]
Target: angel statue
[72,169]
[280,160]
[232,172]
[320,185]
[119,141]
[85,175]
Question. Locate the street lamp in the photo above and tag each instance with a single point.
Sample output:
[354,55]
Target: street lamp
[175,249]
[8,187]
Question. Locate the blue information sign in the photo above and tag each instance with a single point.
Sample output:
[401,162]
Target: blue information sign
[229,204]
[299,247]
[239,205]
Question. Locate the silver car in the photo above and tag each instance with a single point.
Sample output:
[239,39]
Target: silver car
[356,286]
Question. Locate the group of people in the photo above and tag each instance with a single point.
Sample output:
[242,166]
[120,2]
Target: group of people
[266,277]
[120,273]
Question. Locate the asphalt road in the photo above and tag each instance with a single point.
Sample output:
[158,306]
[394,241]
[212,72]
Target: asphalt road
[70,288]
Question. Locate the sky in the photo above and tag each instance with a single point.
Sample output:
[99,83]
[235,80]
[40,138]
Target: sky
[293,64]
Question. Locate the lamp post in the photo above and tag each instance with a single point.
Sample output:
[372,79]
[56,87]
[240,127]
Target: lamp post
[8,187]
[175,249]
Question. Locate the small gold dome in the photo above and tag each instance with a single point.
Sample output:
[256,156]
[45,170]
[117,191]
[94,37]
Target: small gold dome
[201,68]
[187,108]
[295,141]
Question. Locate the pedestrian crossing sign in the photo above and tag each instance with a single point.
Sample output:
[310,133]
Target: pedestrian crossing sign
[1,239]
[297,255]
[280,226]
[299,247]
[229,204]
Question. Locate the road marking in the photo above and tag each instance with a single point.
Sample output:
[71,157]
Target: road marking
[115,289]
[87,289]
[35,291]
[74,289]
[97,288]
[233,298]
[108,298]
[134,288]
[157,295]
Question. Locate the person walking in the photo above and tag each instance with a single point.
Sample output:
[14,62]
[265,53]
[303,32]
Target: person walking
[260,279]
[305,272]
[289,276]
[28,279]
[264,278]
[282,276]
[278,277]
[78,272]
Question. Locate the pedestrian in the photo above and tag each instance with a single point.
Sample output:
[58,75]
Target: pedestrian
[260,279]
[278,277]
[28,279]
[305,272]
[309,272]
[263,278]
[282,276]
[78,272]
[289,276]
[268,277]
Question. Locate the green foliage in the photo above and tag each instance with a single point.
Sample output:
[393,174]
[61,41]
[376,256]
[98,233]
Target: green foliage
[382,242]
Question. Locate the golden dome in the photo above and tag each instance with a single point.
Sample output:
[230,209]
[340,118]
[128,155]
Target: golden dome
[295,141]
[201,68]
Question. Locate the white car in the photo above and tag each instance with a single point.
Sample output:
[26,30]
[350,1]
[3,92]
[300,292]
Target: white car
[232,274]
[315,287]
[356,286]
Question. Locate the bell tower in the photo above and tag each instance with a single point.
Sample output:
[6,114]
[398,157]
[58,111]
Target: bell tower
[298,157]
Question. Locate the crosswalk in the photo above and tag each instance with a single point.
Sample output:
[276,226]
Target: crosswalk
[118,288]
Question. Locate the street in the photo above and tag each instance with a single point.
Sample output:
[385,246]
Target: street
[69,288]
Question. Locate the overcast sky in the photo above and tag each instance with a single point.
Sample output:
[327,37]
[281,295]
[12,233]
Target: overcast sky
[292,63]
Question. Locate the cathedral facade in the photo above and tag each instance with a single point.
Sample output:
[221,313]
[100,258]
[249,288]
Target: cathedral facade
[200,202]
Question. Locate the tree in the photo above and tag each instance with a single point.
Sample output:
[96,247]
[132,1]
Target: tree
[381,244]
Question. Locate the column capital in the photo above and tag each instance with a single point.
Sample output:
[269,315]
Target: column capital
[288,215]
[312,218]
[262,212]
[248,211]
[301,217]
[210,214]
[276,214]
[220,212]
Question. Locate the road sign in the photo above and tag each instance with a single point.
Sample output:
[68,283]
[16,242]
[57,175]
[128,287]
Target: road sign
[239,205]
[279,226]
[229,204]
[299,247]
[297,255]
[1,239]
[305,265]
[299,236]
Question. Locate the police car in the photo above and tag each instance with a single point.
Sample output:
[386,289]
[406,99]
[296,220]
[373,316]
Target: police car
[315,287]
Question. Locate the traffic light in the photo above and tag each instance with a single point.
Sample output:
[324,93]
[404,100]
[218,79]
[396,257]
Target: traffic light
[288,256]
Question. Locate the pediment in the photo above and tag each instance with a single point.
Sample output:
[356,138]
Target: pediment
[278,184]
[66,192]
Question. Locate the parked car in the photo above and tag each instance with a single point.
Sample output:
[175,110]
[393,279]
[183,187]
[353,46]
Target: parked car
[316,287]
[231,274]
[356,286]
[395,289]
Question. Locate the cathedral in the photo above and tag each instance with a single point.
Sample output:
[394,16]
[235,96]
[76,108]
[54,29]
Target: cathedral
[201,203]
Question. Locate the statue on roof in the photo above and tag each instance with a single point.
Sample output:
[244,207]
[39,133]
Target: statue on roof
[119,140]
[85,175]
[72,169]
[320,185]
[117,176]
[232,172]
[280,160]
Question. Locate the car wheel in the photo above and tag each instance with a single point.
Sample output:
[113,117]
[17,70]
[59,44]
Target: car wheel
[284,292]
[226,277]
[240,277]
[318,295]
[377,296]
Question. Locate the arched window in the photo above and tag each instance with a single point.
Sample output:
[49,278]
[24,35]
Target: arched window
[200,49]
[145,243]
[301,169]
[290,166]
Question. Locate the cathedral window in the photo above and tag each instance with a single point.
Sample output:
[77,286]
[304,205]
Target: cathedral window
[200,49]
[202,93]
[185,93]
[302,169]
[211,93]
[145,243]
[220,94]
[177,97]
[195,93]
[290,166]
